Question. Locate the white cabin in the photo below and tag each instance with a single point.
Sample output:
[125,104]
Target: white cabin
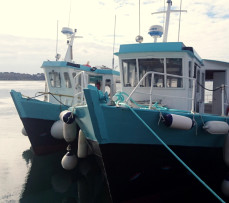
[177,74]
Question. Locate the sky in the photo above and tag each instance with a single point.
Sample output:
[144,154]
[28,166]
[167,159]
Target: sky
[28,29]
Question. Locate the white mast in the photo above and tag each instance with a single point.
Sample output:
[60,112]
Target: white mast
[168,11]
[167,21]
[70,36]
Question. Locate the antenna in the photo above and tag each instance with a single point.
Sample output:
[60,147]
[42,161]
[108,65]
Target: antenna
[179,22]
[139,17]
[139,38]
[69,17]
[114,43]
[57,30]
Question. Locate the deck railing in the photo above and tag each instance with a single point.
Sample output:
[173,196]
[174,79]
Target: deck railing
[80,81]
[152,73]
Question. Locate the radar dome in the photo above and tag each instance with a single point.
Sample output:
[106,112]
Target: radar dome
[155,31]
[67,31]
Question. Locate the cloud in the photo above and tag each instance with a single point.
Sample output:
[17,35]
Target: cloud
[19,54]
[28,30]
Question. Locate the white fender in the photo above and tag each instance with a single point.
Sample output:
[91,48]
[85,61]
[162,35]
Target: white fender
[225,186]
[23,131]
[226,150]
[69,132]
[62,113]
[216,127]
[67,116]
[69,161]
[178,122]
[57,129]
[82,145]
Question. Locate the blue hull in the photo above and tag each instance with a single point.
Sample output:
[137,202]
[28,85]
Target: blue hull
[37,118]
[135,161]
[113,124]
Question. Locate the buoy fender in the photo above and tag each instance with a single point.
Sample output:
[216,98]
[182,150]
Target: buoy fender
[57,129]
[226,151]
[216,127]
[178,121]
[82,146]
[69,161]
[67,116]
[69,131]
[23,131]
[225,186]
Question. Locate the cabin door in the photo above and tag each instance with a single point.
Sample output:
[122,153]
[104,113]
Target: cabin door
[218,80]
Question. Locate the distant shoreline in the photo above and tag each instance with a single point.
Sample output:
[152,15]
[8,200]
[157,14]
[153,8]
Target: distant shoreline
[6,76]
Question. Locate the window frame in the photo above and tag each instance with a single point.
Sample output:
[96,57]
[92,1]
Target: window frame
[164,69]
[53,75]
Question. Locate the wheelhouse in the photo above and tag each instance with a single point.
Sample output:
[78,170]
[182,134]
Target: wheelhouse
[62,83]
[174,70]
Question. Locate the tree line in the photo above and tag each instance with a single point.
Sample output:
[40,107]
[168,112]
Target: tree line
[21,76]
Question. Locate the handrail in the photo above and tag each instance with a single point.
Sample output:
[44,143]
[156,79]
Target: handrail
[83,86]
[61,95]
[152,73]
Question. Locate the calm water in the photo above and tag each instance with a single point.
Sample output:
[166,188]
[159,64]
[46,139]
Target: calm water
[25,177]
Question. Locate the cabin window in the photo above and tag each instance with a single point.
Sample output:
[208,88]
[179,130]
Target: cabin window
[54,78]
[155,65]
[195,69]
[174,67]
[67,80]
[96,81]
[129,70]
[108,86]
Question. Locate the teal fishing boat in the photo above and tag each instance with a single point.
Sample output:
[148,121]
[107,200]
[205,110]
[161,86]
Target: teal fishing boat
[63,89]
[157,135]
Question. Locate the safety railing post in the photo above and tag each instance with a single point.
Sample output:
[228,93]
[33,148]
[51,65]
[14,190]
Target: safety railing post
[193,95]
[222,96]
[151,90]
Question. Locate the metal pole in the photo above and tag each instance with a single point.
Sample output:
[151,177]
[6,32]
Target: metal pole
[167,21]
[151,90]
[193,95]
[222,95]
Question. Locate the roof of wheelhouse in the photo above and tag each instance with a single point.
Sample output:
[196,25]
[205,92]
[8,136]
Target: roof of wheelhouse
[158,47]
[65,64]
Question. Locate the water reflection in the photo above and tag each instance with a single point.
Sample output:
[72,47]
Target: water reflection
[47,181]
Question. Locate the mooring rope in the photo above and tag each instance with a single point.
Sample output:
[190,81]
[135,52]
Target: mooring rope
[44,93]
[176,156]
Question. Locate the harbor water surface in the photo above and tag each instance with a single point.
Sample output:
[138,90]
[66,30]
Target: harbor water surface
[25,177]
